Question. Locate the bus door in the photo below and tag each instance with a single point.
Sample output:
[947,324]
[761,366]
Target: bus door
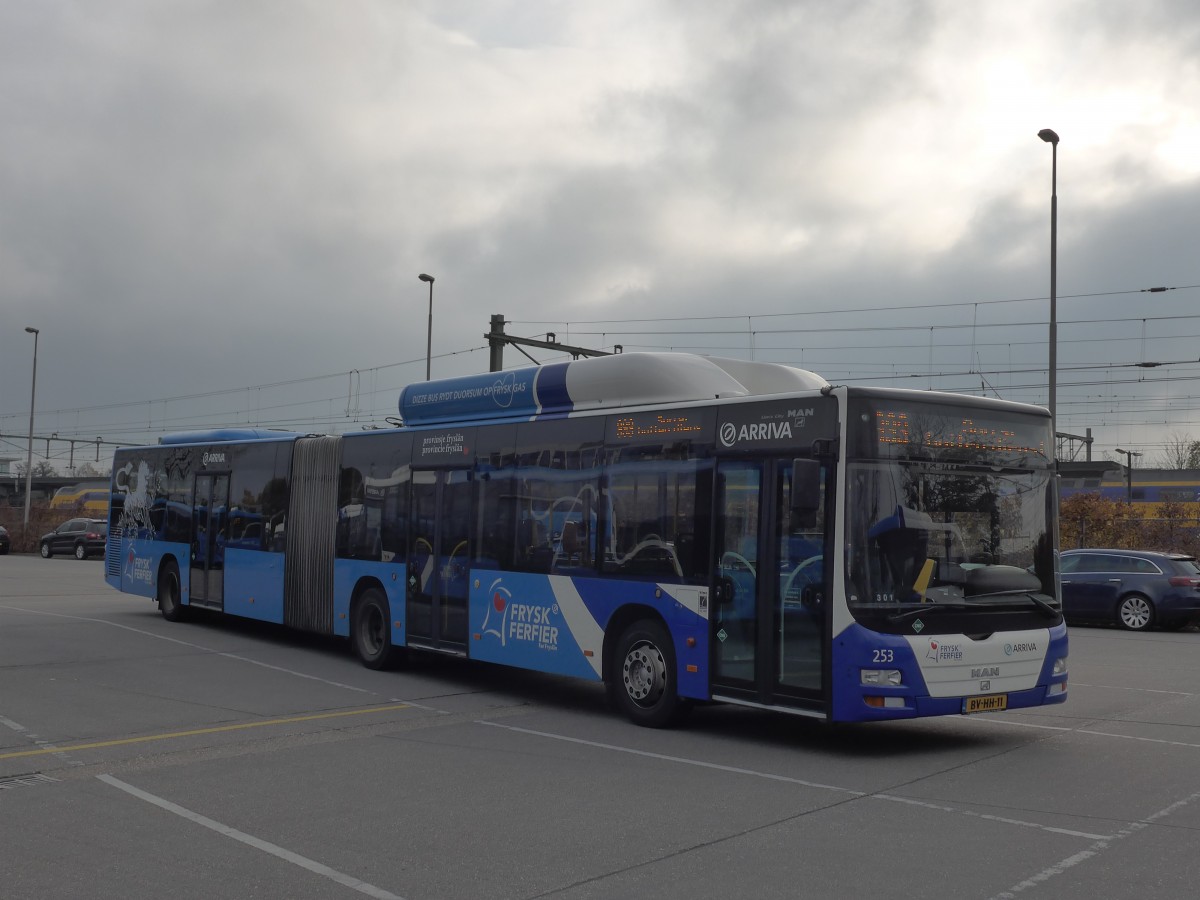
[438,559]
[210,504]
[770,584]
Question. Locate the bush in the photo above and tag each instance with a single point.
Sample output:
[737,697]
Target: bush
[1090,520]
[41,520]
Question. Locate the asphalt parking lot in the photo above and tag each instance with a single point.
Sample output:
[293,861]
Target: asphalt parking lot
[215,758]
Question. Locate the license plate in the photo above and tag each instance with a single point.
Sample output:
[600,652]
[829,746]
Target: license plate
[987,703]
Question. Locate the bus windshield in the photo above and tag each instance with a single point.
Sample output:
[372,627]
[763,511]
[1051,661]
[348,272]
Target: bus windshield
[933,519]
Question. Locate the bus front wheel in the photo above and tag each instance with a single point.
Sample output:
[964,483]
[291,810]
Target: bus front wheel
[170,597]
[371,631]
[642,678]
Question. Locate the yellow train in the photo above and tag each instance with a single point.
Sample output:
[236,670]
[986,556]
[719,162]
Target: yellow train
[87,497]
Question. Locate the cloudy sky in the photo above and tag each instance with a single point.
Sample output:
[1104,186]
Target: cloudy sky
[216,212]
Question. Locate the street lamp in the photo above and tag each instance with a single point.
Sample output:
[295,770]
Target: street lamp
[29,456]
[1129,455]
[1051,137]
[429,337]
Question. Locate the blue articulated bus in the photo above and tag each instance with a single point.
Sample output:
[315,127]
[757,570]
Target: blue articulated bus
[683,528]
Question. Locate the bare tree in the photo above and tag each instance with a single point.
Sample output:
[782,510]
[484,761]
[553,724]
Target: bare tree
[1181,452]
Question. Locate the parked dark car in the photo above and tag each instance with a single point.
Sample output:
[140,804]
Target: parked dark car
[5,540]
[1133,588]
[83,537]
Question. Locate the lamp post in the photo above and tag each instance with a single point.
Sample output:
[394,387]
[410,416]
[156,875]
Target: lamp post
[29,455]
[429,336]
[1129,455]
[1051,138]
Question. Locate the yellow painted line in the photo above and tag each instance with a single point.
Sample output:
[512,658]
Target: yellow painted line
[214,730]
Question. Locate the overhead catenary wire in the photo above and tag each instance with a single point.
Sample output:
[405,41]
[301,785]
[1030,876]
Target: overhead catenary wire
[374,397]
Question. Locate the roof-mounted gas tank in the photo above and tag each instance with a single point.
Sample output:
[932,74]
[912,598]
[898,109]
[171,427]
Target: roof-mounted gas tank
[604,382]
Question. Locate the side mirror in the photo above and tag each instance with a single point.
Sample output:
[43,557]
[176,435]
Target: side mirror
[806,490]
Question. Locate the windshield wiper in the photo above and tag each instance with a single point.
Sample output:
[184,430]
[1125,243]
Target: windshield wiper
[928,608]
[1043,608]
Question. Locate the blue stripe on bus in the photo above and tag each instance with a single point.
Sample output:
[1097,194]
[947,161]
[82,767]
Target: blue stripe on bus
[551,388]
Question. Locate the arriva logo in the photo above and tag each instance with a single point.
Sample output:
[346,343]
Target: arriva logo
[1025,647]
[212,457]
[761,431]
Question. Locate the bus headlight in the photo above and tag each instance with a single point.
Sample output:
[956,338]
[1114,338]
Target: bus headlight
[881,676]
[1060,666]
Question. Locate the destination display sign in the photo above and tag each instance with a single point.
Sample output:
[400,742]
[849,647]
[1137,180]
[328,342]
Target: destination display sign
[893,428]
[662,426]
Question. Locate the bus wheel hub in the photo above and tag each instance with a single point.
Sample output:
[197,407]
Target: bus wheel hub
[644,672]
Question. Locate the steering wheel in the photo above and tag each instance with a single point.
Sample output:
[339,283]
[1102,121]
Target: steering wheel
[461,545]
[732,560]
[812,562]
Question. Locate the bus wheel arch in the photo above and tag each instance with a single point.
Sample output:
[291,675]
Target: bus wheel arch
[641,671]
[169,591]
[371,626]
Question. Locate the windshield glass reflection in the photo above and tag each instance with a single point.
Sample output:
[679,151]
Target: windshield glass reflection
[923,532]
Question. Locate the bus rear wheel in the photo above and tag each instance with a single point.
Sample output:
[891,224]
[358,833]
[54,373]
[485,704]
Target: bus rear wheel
[642,676]
[170,596]
[371,631]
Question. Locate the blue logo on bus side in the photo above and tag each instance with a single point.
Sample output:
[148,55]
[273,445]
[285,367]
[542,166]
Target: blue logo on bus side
[507,620]
[517,620]
[137,568]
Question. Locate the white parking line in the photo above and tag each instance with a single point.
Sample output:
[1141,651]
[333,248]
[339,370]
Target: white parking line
[1118,687]
[39,743]
[683,760]
[1002,819]
[257,843]
[1131,737]
[675,759]
[163,637]
[1095,850]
